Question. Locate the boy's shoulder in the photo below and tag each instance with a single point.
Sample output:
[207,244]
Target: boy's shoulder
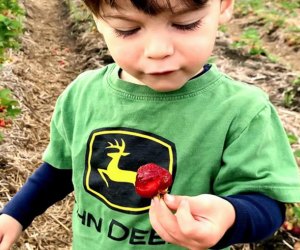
[92,75]
[85,85]
[230,87]
[88,80]
[240,98]
[237,89]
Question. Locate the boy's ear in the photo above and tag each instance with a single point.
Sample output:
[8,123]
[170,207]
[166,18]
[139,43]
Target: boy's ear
[97,22]
[226,11]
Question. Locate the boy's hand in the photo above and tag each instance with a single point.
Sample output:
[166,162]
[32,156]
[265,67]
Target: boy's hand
[197,222]
[10,230]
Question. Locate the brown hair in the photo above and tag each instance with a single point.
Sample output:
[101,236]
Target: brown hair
[150,7]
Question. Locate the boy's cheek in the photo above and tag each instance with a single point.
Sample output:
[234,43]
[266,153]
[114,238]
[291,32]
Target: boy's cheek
[97,22]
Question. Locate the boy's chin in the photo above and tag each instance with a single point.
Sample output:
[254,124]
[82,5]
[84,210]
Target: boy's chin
[158,83]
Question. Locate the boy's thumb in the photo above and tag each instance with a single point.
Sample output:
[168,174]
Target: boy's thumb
[173,201]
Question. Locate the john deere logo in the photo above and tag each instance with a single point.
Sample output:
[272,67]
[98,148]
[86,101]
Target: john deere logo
[112,159]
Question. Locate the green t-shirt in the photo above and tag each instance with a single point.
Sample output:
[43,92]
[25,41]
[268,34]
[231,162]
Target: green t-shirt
[215,135]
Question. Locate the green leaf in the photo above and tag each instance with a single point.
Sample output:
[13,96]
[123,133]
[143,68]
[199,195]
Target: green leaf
[297,153]
[297,81]
[212,59]
[292,138]
[296,211]
[10,26]
[13,112]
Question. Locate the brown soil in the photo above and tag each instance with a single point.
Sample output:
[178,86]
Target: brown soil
[46,64]
[283,45]
[54,51]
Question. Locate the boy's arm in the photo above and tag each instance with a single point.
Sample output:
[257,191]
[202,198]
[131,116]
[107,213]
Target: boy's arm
[46,186]
[257,216]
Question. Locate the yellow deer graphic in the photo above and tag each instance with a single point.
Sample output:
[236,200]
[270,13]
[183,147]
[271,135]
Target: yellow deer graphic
[113,171]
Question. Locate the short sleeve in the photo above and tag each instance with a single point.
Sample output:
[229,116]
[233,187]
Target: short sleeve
[58,151]
[260,159]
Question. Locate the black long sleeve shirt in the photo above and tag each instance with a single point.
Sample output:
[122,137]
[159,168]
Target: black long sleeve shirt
[257,216]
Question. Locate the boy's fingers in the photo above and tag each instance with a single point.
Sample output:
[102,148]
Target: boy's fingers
[197,230]
[199,205]
[185,219]
[162,220]
[173,201]
[155,223]
[5,244]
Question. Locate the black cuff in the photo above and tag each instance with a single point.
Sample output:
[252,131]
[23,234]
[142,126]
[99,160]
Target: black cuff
[257,217]
[46,186]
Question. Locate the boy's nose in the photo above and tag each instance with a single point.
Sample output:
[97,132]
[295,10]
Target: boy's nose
[158,47]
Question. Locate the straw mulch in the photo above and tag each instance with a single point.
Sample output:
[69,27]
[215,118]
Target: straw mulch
[46,64]
[49,60]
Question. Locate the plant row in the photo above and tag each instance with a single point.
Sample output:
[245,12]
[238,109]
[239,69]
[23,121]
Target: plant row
[10,30]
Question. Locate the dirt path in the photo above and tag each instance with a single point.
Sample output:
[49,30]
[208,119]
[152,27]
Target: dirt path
[37,75]
[47,63]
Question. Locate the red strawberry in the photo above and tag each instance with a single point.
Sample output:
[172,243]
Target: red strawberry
[2,123]
[296,231]
[152,180]
[2,109]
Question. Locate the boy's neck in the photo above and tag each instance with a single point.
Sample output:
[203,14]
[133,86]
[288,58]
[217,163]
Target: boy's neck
[205,68]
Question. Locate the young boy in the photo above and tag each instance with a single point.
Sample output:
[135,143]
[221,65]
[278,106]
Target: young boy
[160,102]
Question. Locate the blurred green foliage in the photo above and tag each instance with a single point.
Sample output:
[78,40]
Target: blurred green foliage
[10,26]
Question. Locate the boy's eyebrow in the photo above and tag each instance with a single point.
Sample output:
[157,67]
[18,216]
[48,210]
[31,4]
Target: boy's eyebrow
[118,16]
[175,11]
[188,9]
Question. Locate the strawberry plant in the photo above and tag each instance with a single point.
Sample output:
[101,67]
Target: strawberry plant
[292,220]
[269,21]
[293,139]
[250,40]
[292,223]
[10,26]
[8,109]
[292,94]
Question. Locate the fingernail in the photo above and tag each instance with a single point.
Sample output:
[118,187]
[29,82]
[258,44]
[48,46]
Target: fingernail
[169,198]
[184,202]
[154,200]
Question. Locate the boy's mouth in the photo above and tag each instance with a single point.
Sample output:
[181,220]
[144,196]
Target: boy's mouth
[162,73]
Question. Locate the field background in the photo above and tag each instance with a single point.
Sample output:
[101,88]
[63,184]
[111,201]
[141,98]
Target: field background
[260,46]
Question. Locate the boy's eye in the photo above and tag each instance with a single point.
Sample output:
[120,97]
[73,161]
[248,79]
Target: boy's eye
[184,27]
[126,33]
[190,26]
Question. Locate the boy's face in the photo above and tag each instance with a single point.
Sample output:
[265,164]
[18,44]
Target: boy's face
[166,50]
